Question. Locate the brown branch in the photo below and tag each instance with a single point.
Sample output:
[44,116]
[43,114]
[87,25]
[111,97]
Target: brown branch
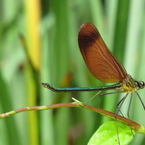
[137,127]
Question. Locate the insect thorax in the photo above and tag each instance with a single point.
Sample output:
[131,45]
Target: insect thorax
[131,85]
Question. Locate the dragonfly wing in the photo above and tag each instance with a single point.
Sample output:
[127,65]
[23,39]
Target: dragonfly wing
[99,59]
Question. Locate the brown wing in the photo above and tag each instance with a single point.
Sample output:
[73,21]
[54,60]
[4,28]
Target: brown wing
[99,59]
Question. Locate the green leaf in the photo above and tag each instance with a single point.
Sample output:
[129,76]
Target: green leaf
[112,133]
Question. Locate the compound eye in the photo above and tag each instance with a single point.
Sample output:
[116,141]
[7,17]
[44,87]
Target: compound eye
[141,85]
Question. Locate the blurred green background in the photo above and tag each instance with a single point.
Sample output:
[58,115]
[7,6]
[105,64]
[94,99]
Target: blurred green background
[51,54]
